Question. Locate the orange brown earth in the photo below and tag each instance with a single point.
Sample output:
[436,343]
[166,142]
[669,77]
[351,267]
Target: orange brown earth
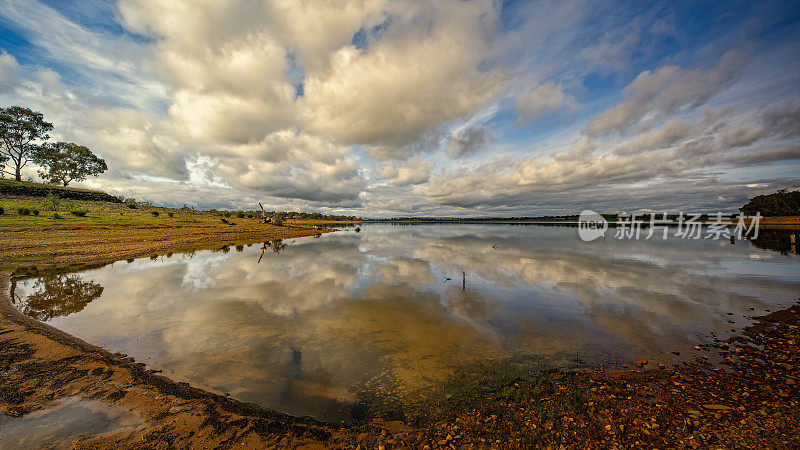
[70,245]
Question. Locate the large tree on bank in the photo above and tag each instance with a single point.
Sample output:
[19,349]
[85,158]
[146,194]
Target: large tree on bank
[65,162]
[21,131]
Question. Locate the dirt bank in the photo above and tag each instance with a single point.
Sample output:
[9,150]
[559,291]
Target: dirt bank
[96,245]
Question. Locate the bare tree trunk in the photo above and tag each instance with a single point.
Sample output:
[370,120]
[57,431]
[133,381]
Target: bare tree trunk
[263,213]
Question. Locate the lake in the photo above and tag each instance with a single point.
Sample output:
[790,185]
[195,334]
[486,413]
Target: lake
[327,326]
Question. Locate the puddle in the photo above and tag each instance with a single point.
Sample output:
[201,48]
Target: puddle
[60,425]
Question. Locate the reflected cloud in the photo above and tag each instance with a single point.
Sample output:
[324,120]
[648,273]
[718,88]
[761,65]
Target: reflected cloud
[324,324]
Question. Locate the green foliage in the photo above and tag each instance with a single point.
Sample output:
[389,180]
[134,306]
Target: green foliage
[130,203]
[66,162]
[171,214]
[35,212]
[154,213]
[20,131]
[56,216]
[240,214]
[781,203]
[2,211]
[23,211]
[79,212]
[53,201]
[277,220]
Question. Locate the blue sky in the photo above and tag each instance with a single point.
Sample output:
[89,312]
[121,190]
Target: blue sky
[383,108]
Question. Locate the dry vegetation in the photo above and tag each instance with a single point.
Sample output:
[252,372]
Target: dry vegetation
[59,233]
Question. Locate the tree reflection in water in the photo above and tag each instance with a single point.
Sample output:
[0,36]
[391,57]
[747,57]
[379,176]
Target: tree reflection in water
[277,246]
[59,295]
[785,242]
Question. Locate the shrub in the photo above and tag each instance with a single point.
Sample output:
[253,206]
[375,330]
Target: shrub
[78,212]
[35,212]
[171,214]
[240,214]
[2,211]
[154,213]
[53,201]
[277,221]
[224,221]
[56,216]
[130,203]
[226,213]
[23,211]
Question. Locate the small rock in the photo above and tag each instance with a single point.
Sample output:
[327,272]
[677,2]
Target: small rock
[717,407]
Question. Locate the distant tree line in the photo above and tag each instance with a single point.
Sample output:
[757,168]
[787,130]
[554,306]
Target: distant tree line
[781,203]
[278,217]
[24,139]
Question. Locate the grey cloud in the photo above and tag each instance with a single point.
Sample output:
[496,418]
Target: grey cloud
[469,141]
[783,119]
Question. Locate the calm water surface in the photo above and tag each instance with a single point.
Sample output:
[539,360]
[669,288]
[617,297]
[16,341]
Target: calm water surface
[319,325]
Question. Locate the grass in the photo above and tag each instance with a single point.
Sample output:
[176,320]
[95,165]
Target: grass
[5,182]
[22,212]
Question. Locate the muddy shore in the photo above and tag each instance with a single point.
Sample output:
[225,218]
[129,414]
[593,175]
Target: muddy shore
[749,400]
[76,247]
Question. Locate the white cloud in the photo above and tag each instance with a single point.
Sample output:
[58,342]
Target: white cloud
[424,71]
[654,95]
[414,171]
[542,99]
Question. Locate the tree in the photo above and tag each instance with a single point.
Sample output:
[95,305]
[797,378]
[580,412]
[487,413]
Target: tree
[65,162]
[20,131]
[3,160]
[781,203]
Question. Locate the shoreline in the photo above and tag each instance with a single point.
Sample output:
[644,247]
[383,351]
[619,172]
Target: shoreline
[40,364]
[68,248]
[52,365]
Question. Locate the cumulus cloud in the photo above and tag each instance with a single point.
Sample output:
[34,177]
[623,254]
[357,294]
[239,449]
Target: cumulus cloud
[423,72]
[414,171]
[654,95]
[377,104]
